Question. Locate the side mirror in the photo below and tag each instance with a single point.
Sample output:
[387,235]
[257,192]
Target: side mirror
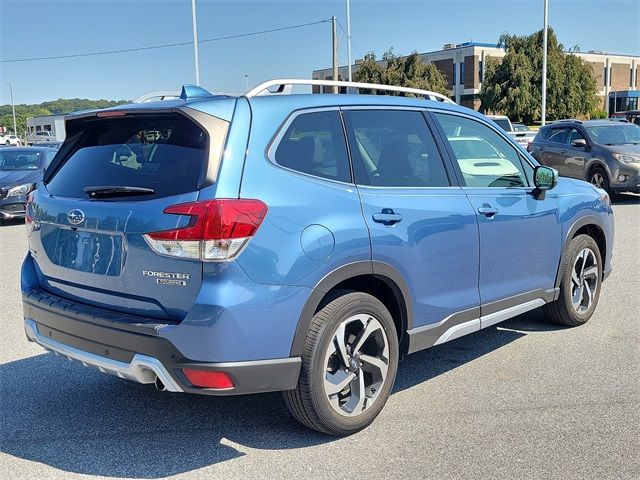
[580,143]
[545,178]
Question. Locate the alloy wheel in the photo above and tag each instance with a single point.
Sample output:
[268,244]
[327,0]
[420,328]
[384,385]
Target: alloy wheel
[597,179]
[584,280]
[357,362]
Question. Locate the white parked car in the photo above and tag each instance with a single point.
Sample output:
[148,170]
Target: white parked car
[10,140]
[523,137]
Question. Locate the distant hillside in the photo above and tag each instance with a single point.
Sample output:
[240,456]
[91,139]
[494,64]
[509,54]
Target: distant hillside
[54,107]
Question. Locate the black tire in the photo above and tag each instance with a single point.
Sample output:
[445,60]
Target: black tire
[562,310]
[308,403]
[597,173]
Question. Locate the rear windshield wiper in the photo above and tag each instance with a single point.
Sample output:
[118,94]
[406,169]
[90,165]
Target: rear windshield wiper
[102,191]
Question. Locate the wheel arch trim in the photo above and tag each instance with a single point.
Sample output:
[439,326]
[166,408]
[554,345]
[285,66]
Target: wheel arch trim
[381,270]
[594,163]
[577,225]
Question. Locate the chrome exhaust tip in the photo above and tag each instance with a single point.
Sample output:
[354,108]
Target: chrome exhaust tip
[159,385]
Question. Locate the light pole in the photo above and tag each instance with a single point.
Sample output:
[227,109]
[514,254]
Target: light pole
[544,63]
[13,108]
[246,82]
[349,38]
[195,41]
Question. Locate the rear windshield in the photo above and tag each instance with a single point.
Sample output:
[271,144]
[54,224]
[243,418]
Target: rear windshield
[503,123]
[165,153]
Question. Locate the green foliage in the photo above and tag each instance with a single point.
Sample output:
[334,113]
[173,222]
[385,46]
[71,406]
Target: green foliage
[55,107]
[410,71]
[514,86]
[597,114]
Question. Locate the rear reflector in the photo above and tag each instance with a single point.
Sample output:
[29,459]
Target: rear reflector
[218,229]
[208,379]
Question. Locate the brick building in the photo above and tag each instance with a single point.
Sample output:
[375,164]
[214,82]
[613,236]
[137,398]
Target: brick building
[463,66]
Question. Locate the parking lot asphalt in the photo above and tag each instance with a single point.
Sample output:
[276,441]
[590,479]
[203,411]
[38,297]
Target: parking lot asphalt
[524,399]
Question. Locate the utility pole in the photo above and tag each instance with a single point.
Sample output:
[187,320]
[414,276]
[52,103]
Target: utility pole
[544,62]
[349,38]
[334,40]
[13,108]
[195,41]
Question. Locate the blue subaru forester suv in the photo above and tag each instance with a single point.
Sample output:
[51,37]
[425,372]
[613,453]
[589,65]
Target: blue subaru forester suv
[300,243]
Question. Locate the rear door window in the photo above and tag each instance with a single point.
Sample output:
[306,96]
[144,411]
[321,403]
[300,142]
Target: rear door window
[394,149]
[558,135]
[166,153]
[314,144]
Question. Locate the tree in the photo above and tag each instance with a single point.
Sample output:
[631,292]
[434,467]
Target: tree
[514,85]
[55,107]
[410,71]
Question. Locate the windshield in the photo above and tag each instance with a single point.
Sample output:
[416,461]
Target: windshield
[615,134]
[20,160]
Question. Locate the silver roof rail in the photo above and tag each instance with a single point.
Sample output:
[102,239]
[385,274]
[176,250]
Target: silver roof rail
[285,87]
[158,95]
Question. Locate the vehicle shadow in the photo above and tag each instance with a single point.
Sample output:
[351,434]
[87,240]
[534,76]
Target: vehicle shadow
[11,222]
[625,199]
[75,419]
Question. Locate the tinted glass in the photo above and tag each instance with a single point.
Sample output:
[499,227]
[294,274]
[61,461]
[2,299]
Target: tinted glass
[615,134]
[485,158]
[503,123]
[394,149]
[314,144]
[574,135]
[558,135]
[49,156]
[166,153]
[11,160]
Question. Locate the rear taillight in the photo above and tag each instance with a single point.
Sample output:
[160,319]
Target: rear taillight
[218,229]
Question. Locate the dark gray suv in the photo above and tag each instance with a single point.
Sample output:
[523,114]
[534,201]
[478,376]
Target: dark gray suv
[605,153]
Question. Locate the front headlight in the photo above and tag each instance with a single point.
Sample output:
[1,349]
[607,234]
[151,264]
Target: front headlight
[20,190]
[626,157]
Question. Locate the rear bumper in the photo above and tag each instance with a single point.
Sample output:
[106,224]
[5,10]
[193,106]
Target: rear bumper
[135,352]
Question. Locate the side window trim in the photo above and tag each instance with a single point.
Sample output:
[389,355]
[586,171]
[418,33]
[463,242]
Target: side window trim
[450,153]
[282,130]
[431,128]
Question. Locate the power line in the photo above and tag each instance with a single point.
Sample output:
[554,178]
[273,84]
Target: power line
[344,32]
[166,45]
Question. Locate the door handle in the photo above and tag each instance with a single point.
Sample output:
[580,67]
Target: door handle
[487,210]
[387,217]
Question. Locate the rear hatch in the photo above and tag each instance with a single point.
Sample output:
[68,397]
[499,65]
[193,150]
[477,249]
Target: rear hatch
[115,176]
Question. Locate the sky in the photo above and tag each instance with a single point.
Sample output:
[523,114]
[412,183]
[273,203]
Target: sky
[36,28]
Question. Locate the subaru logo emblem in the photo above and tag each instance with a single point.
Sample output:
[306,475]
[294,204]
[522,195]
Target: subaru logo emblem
[75,216]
